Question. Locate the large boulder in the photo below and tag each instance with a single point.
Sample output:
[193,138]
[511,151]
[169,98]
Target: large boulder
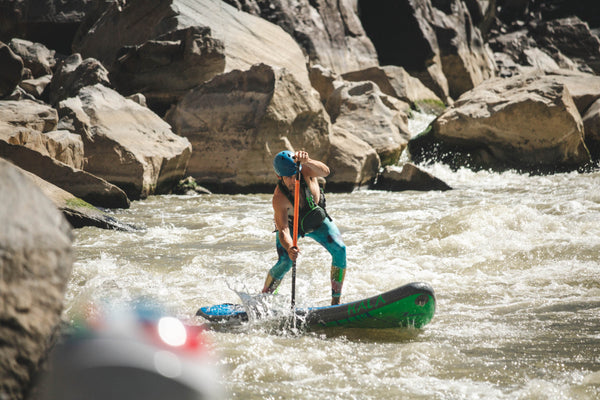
[126,144]
[345,46]
[35,267]
[247,39]
[361,109]
[77,211]
[571,38]
[74,73]
[465,58]
[238,121]
[79,183]
[396,82]
[38,58]
[527,123]
[352,161]
[29,114]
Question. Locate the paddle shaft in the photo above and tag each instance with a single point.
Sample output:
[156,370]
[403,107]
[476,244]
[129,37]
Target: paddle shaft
[295,232]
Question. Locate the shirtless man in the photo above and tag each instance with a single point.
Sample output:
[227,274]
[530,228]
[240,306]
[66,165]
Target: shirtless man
[313,222]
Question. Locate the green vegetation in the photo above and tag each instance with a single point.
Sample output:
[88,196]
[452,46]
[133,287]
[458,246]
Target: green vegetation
[430,106]
[76,202]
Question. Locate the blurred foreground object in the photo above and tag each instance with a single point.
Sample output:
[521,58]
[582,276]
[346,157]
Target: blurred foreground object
[133,354]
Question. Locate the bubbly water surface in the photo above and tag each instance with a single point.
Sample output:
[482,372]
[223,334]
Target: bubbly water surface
[514,260]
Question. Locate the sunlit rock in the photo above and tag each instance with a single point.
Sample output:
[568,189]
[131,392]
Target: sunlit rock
[361,109]
[37,57]
[396,82]
[238,121]
[527,123]
[165,68]
[81,184]
[352,161]
[247,39]
[74,73]
[126,144]
[345,46]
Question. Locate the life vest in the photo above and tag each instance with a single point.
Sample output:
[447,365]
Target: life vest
[311,215]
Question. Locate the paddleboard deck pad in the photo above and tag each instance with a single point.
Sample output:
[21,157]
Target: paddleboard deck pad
[411,305]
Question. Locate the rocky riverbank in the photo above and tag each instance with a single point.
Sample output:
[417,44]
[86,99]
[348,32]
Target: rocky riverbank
[104,102]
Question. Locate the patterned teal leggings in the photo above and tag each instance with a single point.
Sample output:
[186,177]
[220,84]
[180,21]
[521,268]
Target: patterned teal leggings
[327,235]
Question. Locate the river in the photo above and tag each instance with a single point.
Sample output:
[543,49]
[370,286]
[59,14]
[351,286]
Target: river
[514,261]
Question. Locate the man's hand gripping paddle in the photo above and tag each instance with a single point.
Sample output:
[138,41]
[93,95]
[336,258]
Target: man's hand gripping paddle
[295,236]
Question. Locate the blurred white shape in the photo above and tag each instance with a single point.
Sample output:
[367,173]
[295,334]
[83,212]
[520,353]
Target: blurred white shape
[172,331]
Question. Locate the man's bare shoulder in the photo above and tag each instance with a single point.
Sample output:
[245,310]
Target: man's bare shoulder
[280,201]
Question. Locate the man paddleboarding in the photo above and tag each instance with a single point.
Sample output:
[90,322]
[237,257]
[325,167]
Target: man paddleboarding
[313,220]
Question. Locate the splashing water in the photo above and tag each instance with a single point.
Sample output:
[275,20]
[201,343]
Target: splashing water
[514,261]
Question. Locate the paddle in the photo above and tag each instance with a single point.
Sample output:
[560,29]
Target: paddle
[295,236]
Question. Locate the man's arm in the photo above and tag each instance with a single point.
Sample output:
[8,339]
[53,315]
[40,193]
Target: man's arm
[311,168]
[280,206]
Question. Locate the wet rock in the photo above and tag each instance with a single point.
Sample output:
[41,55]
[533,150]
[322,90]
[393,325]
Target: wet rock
[591,123]
[76,211]
[410,177]
[189,186]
